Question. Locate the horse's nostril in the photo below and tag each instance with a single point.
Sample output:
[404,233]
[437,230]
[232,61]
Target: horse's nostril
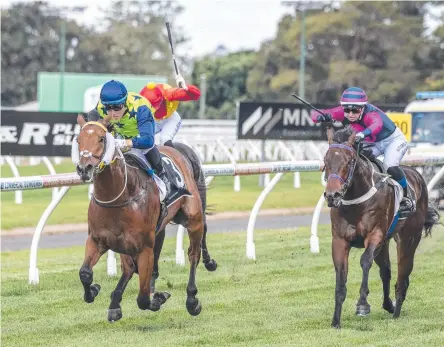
[337,195]
[89,167]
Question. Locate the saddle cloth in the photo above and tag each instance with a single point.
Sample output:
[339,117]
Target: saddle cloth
[178,188]
[399,193]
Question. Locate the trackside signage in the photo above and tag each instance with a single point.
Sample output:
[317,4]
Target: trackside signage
[37,133]
[281,121]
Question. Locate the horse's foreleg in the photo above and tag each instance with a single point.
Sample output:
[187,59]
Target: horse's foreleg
[406,251]
[128,268]
[372,241]
[92,256]
[145,261]
[160,237]
[340,251]
[210,264]
[195,235]
[383,261]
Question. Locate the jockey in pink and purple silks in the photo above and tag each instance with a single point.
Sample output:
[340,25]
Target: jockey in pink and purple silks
[377,130]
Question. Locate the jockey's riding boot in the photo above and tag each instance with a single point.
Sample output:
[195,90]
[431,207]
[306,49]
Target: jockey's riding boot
[407,203]
[155,160]
[169,143]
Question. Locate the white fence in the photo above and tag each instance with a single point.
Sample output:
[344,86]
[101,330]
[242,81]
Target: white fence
[72,179]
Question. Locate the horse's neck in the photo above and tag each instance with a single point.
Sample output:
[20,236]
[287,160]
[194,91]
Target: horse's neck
[362,180]
[111,181]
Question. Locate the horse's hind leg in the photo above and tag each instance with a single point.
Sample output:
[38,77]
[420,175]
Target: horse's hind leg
[195,234]
[210,264]
[383,261]
[406,251]
[92,256]
[128,269]
[158,244]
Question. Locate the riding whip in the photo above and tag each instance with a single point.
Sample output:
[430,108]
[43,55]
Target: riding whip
[307,103]
[172,49]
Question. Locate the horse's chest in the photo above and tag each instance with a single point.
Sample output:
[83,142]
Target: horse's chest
[130,243]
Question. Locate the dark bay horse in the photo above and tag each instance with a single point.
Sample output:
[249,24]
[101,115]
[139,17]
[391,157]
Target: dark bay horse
[123,216]
[362,210]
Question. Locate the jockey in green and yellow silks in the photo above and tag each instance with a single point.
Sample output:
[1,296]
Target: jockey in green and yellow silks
[132,118]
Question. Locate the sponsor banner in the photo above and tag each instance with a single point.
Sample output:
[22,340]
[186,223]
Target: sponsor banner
[47,134]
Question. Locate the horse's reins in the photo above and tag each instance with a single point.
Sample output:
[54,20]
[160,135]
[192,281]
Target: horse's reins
[101,166]
[347,182]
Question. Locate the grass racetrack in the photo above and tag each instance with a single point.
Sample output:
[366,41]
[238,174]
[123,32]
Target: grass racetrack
[284,298]
[221,197]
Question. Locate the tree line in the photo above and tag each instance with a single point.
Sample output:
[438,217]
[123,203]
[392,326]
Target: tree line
[384,47]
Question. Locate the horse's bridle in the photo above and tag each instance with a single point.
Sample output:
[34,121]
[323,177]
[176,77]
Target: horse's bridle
[101,165]
[351,165]
[86,154]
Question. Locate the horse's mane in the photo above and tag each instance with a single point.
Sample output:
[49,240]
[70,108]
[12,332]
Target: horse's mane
[342,136]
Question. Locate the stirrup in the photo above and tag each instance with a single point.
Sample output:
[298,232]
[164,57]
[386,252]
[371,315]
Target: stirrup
[407,205]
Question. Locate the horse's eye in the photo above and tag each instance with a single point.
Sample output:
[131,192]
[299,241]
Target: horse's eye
[102,138]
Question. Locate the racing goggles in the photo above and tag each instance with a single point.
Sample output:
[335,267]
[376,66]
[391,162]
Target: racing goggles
[354,110]
[114,107]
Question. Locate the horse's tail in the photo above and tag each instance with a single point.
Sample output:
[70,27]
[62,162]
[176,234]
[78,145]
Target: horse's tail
[198,174]
[432,218]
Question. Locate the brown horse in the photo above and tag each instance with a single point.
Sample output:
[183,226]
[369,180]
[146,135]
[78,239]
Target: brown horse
[123,216]
[362,213]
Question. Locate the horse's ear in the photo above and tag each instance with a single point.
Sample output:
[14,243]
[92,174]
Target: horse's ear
[330,133]
[80,120]
[351,139]
[105,121]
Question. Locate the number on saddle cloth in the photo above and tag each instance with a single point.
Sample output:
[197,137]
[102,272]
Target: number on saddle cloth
[178,188]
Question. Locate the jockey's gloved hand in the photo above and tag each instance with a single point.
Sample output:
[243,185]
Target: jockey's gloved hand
[326,117]
[359,137]
[180,81]
[120,143]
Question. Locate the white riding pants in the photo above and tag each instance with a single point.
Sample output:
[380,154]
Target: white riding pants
[168,128]
[393,148]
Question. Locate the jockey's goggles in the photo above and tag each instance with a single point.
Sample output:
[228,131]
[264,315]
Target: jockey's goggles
[114,107]
[354,110]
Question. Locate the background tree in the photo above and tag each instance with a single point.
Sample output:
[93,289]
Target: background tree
[132,39]
[375,45]
[135,39]
[226,78]
[30,43]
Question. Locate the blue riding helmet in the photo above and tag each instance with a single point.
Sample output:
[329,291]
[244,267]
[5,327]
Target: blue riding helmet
[113,93]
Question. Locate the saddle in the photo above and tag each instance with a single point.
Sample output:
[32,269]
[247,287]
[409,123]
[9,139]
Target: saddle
[398,190]
[177,181]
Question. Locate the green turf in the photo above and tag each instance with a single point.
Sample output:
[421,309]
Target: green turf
[221,197]
[284,298]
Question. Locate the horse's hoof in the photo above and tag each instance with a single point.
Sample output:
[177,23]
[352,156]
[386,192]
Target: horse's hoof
[362,310]
[388,306]
[114,314]
[336,325]
[158,300]
[397,310]
[211,265]
[194,307]
[94,291]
